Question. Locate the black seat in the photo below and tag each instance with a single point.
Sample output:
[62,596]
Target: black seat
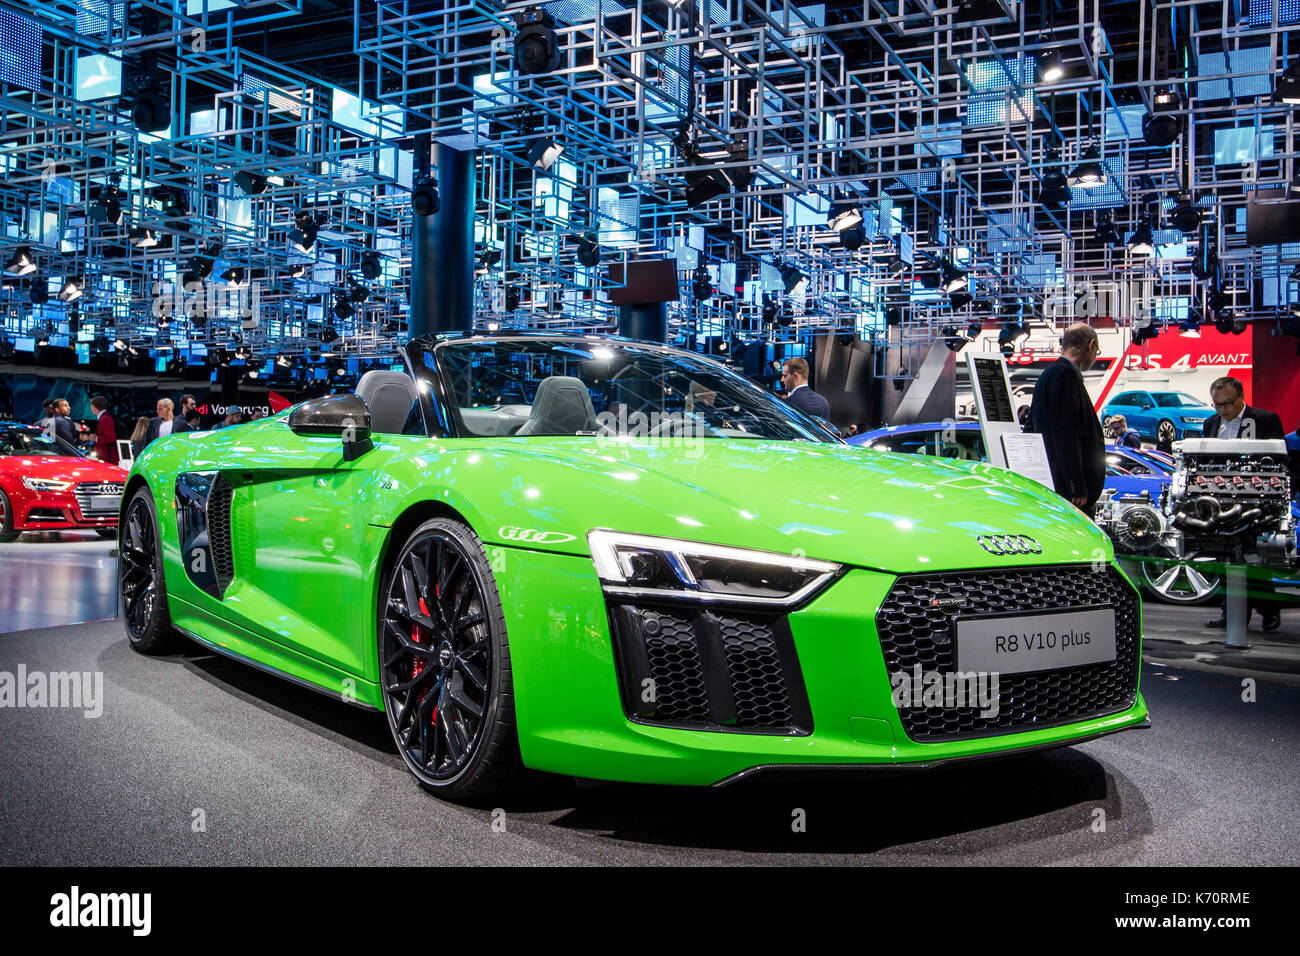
[562,407]
[389,396]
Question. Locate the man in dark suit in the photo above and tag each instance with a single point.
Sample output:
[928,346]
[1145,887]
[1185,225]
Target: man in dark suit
[105,431]
[794,378]
[62,422]
[1233,418]
[167,423]
[1063,414]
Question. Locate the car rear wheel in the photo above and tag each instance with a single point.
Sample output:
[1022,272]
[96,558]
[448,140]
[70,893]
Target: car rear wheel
[7,532]
[1165,431]
[1180,582]
[445,665]
[140,578]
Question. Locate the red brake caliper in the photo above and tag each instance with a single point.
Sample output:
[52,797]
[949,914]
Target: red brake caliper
[418,665]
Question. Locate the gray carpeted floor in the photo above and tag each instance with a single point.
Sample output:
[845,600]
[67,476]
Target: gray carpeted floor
[285,776]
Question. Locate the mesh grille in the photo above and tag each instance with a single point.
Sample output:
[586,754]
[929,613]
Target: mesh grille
[223,561]
[88,490]
[676,671]
[711,669]
[914,631]
[754,666]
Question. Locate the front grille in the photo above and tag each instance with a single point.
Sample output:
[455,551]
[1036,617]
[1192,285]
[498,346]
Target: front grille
[87,489]
[709,669]
[223,559]
[914,631]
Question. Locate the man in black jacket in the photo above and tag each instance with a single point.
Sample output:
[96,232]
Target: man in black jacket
[1063,414]
[1233,418]
[794,376]
[166,423]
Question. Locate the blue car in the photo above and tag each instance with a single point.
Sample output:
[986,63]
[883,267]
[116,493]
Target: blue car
[1159,416]
[1129,471]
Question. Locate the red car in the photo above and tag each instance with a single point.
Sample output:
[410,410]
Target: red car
[47,485]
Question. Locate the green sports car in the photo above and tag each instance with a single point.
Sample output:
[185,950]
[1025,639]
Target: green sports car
[616,560]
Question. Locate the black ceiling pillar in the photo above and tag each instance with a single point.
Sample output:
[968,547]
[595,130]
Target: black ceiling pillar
[648,321]
[442,249]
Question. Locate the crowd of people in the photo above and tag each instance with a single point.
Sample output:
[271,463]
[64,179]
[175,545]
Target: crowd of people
[169,418]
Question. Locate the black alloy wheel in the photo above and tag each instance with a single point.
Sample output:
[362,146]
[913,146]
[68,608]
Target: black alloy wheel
[140,578]
[445,664]
[1165,431]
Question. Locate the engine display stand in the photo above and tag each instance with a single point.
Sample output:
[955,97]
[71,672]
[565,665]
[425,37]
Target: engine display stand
[1236,608]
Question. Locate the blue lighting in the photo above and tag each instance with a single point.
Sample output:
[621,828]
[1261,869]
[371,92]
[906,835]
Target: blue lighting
[20,51]
[1257,60]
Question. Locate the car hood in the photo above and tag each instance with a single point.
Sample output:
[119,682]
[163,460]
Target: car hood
[62,467]
[836,502]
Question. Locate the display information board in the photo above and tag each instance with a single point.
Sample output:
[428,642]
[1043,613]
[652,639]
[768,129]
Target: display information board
[1008,447]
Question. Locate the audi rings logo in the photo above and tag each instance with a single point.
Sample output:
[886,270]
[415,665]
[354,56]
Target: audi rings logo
[1009,544]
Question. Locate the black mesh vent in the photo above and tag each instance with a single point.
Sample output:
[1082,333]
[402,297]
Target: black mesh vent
[712,670]
[223,559]
[914,630]
[754,665]
[679,693]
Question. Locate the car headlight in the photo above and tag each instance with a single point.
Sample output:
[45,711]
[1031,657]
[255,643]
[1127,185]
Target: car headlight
[642,565]
[1192,420]
[46,484]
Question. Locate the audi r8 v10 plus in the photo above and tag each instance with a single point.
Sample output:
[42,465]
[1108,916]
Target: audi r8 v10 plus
[616,560]
[47,485]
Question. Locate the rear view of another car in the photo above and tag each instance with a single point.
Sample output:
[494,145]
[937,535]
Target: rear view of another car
[47,485]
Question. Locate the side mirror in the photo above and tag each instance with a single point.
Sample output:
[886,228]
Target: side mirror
[344,415]
[830,426]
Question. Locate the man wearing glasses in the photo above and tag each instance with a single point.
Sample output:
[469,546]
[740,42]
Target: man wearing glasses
[1236,419]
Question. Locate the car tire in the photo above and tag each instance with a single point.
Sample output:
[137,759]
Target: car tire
[444,653]
[7,532]
[108,533]
[1166,431]
[141,585]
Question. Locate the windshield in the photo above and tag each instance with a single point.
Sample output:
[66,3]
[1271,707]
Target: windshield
[534,387]
[32,441]
[1175,399]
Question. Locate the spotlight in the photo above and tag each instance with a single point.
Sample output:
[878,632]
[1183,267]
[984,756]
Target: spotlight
[1295,273]
[295,270]
[303,234]
[1090,173]
[543,153]
[952,338]
[959,300]
[1287,88]
[588,250]
[1055,190]
[705,184]
[329,334]
[1190,327]
[1186,217]
[235,276]
[537,49]
[72,289]
[1162,126]
[174,201]
[343,307]
[151,110]
[844,214]
[1142,243]
[1106,232]
[769,310]
[21,262]
[1011,334]
[1224,323]
[1051,67]
[853,238]
[1205,265]
[39,293]
[701,283]
[973,328]
[108,207]
[953,279]
[785,318]
[253,184]
[358,293]
[143,238]
[424,197]
[371,265]
[794,280]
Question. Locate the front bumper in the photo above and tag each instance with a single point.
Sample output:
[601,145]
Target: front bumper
[574,719]
[57,510]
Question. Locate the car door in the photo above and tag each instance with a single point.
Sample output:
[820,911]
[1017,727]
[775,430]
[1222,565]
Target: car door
[1142,415]
[290,543]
